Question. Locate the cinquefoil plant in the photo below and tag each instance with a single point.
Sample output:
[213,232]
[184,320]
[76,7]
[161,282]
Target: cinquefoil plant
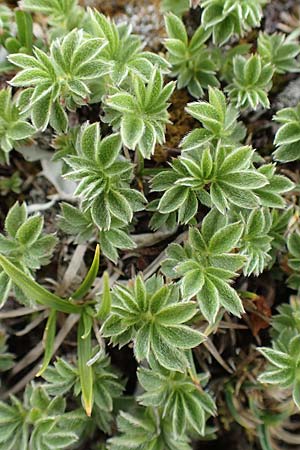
[191,60]
[287,139]
[219,122]
[280,51]
[63,378]
[231,17]
[24,245]
[104,178]
[221,178]
[152,315]
[39,422]
[58,80]
[207,264]
[141,112]
[14,127]
[146,430]
[252,80]
[123,51]
[179,397]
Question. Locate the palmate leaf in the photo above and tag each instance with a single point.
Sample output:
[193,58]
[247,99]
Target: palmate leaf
[229,17]
[287,138]
[280,51]
[219,121]
[182,400]
[151,315]
[146,430]
[222,179]
[140,113]
[58,78]
[124,51]
[283,359]
[207,264]
[24,247]
[39,422]
[192,63]
[13,125]
[252,80]
[63,377]
[104,184]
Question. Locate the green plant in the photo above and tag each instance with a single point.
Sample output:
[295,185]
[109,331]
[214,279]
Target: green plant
[280,51]
[252,80]
[158,346]
[12,183]
[284,363]
[151,315]
[179,397]
[146,430]
[39,422]
[24,245]
[14,127]
[227,18]
[219,122]
[63,377]
[63,15]
[59,79]
[140,113]
[123,51]
[104,179]
[191,60]
[293,244]
[287,138]
[207,264]
[217,178]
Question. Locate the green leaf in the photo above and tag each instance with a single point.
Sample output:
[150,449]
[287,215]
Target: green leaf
[15,218]
[132,129]
[84,344]
[279,359]
[34,291]
[106,301]
[30,230]
[48,341]
[225,239]
[209,302]
[172,199]
[89,278]
[192,283]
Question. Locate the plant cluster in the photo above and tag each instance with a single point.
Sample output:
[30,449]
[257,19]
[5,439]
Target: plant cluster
[223,212]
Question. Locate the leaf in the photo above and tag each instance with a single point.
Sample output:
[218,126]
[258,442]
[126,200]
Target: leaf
[279,359]
[228,297]
[85,371]
[15,218]
[182,336]
[109,149]
[89,278]
[172,199]
[132,129]
[296,393]
[105,306]
[175,28]
[142,342]
[48,341]
[226,238]
[209,302]
[176,314]
[34,291]
[192,283]
[20,130]
[30,230]
[168,356]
